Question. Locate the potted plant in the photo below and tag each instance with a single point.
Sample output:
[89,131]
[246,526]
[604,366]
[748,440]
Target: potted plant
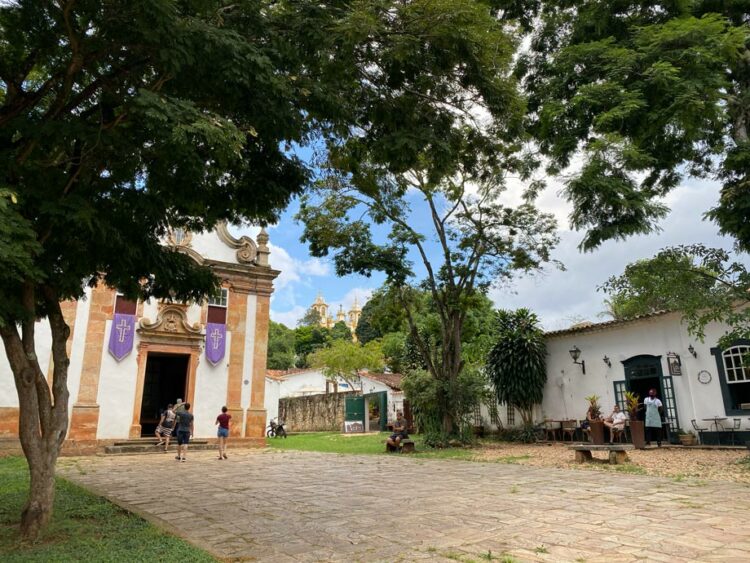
[686,438]
[594,416]
[637,429]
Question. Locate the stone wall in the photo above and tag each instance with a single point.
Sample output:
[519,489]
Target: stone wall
[314,413]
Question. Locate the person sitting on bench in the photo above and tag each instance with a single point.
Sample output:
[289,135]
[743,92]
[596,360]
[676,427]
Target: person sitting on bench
[399,431]
[615,422]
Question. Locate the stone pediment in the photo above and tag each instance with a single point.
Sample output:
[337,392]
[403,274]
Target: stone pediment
[172,326]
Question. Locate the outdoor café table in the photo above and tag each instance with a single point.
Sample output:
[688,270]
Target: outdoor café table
[716,422]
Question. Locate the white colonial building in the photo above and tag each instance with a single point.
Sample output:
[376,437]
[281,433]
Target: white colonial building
[695,380]
[129,360]
[305,382]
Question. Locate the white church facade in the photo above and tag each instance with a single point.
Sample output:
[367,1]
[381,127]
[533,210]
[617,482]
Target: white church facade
[128,360]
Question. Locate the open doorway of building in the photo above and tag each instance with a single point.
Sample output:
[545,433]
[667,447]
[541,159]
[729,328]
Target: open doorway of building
[165,382]
[643,373]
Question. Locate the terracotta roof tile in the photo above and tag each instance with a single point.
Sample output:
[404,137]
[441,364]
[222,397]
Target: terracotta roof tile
[591,327]
[280,374]
[392,380]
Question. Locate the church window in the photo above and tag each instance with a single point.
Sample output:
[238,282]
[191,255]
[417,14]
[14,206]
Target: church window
[220,299]
[217,307]
[179,236]
[737,374]
[125,306]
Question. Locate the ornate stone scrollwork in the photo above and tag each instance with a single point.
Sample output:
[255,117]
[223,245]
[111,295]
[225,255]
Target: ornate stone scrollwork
[171,325]
[247,250]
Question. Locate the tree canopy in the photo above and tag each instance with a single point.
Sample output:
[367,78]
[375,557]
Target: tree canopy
[344,359]
[341,332]
[647,92]
[281,347]
[454,175]
[121,120]
[704,284]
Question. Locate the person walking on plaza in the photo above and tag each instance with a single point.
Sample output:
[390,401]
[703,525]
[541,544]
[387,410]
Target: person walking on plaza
[184,431]
[165,427]
[223,432]
[653,417]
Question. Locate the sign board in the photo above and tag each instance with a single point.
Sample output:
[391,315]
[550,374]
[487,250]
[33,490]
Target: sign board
[353,427]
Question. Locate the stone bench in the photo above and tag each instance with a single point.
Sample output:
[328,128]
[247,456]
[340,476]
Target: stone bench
[617,452]
[405,447]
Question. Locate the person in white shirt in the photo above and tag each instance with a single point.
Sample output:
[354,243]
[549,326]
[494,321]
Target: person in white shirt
[615,422]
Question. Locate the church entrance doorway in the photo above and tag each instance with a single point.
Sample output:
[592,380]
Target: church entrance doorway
[165,382]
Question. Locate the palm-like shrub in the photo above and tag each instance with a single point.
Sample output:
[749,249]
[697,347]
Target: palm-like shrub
[517,365]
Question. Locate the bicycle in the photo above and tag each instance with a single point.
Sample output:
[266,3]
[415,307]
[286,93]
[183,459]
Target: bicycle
[275,430]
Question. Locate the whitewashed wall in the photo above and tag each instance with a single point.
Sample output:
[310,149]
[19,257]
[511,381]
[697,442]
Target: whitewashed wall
[210,393]
[271,399]
[567,385]
[116,398]
[312,382]
[209,244]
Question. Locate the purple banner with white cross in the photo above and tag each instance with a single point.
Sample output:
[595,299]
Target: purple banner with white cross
[216,337]
[121,335]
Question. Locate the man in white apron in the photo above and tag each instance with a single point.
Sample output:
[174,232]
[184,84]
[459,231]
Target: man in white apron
[653,418]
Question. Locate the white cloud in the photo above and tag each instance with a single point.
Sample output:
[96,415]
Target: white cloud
[362,294]
[292,269]
[559,297]
[289,318]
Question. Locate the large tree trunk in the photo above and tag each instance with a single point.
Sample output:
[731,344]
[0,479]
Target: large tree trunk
[38,509]
[43,413]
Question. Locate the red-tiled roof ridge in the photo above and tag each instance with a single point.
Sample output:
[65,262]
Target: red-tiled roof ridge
[282,373]
[392,380]
[589,326]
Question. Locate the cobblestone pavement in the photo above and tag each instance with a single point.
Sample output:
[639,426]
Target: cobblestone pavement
[304,506]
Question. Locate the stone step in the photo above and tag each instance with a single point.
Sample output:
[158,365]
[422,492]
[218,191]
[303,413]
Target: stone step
[198,445]
[153,441]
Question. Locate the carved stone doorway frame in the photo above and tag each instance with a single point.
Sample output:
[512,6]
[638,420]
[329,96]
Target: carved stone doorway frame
[170,334]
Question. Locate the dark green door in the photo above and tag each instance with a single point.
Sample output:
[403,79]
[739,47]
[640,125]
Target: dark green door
[643,373]
[354,409]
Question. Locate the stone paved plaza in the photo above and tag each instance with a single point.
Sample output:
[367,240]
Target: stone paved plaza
[302,506]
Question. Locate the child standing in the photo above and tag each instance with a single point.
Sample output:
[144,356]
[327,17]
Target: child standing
[223,433]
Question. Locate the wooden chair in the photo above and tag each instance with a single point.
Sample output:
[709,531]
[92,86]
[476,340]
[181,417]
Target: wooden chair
[617,434]
[585,432]
[550,429]
[735,428]
[569,427]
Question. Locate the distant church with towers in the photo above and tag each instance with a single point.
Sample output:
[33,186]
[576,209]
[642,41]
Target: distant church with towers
[350,318]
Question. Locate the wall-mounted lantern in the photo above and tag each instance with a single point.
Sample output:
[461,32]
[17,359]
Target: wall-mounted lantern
[692,351]
[607,361]
[575,353]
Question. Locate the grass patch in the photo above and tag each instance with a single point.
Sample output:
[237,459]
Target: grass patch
[512,459]
[628,468]
[83,527]
[335,442]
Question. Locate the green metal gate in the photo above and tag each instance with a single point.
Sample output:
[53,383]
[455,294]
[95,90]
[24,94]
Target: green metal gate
[381,400]
[354,409]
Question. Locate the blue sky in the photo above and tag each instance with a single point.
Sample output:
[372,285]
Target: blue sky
[560,298]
